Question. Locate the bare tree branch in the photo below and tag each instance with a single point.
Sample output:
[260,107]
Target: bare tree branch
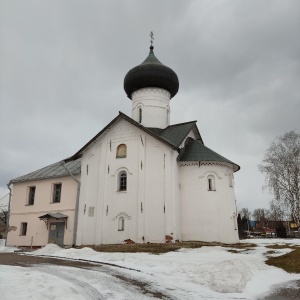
[281,167]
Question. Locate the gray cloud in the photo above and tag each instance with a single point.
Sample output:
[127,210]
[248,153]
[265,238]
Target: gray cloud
[63,65]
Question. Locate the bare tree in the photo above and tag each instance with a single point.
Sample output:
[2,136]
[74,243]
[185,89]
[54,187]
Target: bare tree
[278,211]
[281,167]
[245,212]
[260,214]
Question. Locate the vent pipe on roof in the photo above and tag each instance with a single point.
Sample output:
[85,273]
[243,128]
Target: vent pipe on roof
[62,163]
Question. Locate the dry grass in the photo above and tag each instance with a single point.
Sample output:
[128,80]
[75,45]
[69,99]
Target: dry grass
[161,248]
[289,262]
[281,246]
[270,252]
[233,251]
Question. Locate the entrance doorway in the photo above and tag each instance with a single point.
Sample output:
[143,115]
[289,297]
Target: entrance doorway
[56,233]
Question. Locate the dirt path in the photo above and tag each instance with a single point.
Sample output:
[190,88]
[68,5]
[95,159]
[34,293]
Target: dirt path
[48,265]
[287,291]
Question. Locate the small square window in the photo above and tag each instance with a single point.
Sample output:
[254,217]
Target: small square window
[56,192]
[23,229]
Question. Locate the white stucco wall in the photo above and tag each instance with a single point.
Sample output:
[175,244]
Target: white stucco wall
[154,103]
[163,197]
[148,203]
[21,212]
[207,215]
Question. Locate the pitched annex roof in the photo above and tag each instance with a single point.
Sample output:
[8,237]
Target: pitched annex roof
[172,135]
[53,171]
[195,151]
[56,215]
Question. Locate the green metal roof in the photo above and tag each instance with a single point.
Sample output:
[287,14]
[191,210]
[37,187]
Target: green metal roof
[175,134]
[52,171]
[196,151]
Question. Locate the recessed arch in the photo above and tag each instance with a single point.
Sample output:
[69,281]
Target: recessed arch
[121,151]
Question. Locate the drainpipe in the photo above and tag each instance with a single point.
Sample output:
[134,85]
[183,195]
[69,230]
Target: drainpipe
[8,213]
[77,202]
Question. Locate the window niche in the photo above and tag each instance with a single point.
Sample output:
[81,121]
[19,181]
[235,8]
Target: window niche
[140,114]
[121,151]
[230,177]
[211,183]
[121,224]
[122,181]
[168,116]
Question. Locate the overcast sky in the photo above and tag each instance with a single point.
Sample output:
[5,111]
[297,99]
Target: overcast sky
[62,65]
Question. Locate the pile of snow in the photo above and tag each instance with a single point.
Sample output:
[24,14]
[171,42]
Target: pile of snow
[49,249]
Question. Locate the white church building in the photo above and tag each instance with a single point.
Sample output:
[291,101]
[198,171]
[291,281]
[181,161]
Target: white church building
[140,179]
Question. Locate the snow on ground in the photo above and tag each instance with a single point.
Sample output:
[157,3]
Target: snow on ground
[6,249]
[63,283]
[204,273]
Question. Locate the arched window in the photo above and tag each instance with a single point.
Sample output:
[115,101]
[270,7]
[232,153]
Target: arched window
[122,181]
[121,224]
[140,115]
[211,184]
[121,151]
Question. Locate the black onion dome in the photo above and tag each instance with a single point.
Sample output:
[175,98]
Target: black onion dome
[151,73]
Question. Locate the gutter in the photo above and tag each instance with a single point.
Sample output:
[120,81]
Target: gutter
[62,163]
[8,213]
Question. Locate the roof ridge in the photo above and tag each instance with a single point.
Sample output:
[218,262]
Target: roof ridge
[35,171]
[33,175]
[182,123]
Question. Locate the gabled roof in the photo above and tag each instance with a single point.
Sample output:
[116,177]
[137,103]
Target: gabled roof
[52,171]
[196,151]
[175,134]
[172,135]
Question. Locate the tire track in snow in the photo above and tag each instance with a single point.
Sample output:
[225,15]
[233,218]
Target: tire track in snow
[87,290]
